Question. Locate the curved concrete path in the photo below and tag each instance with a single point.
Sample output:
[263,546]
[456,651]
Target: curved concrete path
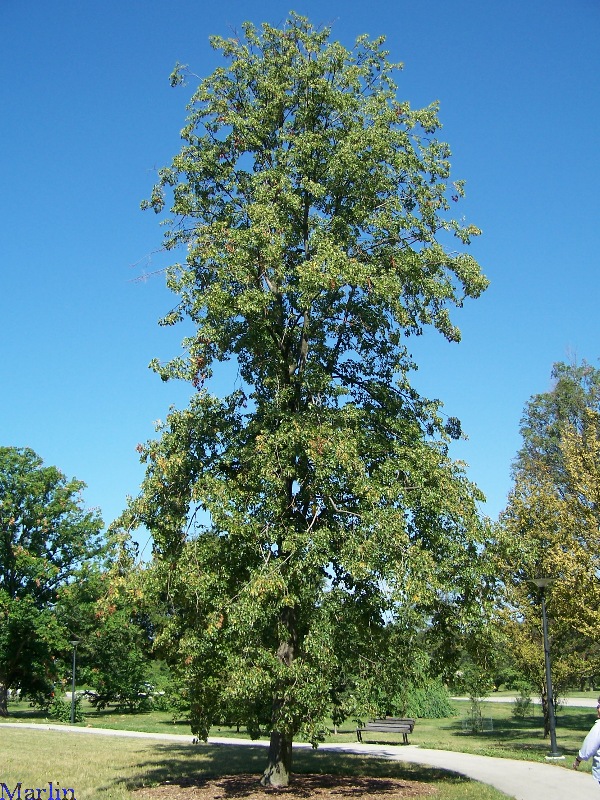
[572,702]
[522,780]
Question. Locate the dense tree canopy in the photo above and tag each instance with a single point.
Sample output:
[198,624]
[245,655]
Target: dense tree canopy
[552,509]
[551,527]
[575,389]
[308,523]
[105,609]
[46,536]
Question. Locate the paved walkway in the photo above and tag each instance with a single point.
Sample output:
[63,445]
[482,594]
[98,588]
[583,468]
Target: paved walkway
[522,780]
[579,702]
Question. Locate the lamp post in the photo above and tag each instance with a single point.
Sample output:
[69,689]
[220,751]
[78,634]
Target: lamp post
[542,584]
[73,642]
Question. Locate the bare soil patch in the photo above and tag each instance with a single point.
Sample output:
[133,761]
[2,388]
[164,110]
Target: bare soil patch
[322,787]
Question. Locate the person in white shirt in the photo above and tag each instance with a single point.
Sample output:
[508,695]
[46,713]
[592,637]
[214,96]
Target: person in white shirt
[591,747]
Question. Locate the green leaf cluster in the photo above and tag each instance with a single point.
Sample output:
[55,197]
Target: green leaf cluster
[550,528]
[47,538]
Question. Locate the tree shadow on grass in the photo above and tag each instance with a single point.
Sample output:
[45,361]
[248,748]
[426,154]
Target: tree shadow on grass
[188,765]
[576,722]
[526,735]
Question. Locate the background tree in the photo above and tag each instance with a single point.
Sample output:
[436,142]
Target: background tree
[106,609]
[580,589]
[539,542]
[313,209]
[551,527]
[547,415]
[46,536]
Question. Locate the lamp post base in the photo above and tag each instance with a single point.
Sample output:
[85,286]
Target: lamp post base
[555,757]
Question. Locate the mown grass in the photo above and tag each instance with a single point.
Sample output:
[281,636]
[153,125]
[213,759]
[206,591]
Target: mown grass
[510,737]
[103,768]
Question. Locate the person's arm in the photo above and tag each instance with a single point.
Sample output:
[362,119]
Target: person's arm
[590,746]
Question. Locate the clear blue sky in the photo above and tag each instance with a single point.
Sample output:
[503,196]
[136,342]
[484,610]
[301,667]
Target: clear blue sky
[87,115]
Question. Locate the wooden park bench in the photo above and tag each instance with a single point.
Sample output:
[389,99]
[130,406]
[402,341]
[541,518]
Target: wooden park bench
[387,725]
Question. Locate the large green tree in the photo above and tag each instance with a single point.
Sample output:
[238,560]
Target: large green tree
[575,389]
[297,519]
[105,609]
[46,537]
[551,527]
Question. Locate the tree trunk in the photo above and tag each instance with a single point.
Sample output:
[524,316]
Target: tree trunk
[279,767]
[3,700]
[546,712]
[277,773]
[544,699]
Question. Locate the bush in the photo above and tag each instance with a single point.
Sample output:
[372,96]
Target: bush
[161,701]
[175,700]
[55,707]
[61,710]
[522,704]
[427,701]
[119,673]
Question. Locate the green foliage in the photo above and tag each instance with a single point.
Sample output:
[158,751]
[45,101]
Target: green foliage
[522,704]
[29,638]
[546,416]
[61,710]
[56,707]
[47,539]
[299,519]
[115,649]
[165,693]
[474,681]
[550,527]
[120,665]
[430,700]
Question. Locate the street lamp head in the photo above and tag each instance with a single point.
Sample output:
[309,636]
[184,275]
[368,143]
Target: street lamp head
[543,583]
[74,641]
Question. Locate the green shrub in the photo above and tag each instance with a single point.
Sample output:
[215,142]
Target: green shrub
[427,701]
[176,700]
[120,668]
[55,707]
[61,710]
[161,701]
[522,703]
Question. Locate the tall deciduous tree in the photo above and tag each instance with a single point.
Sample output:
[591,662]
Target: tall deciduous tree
[313,206]
[552,509]
[551,527]
[576,388]
[46,535]
[105,609]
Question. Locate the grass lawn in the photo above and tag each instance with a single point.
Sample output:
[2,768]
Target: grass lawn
[98,768]
[510,737]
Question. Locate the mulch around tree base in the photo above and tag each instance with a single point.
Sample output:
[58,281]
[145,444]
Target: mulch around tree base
[247,787]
